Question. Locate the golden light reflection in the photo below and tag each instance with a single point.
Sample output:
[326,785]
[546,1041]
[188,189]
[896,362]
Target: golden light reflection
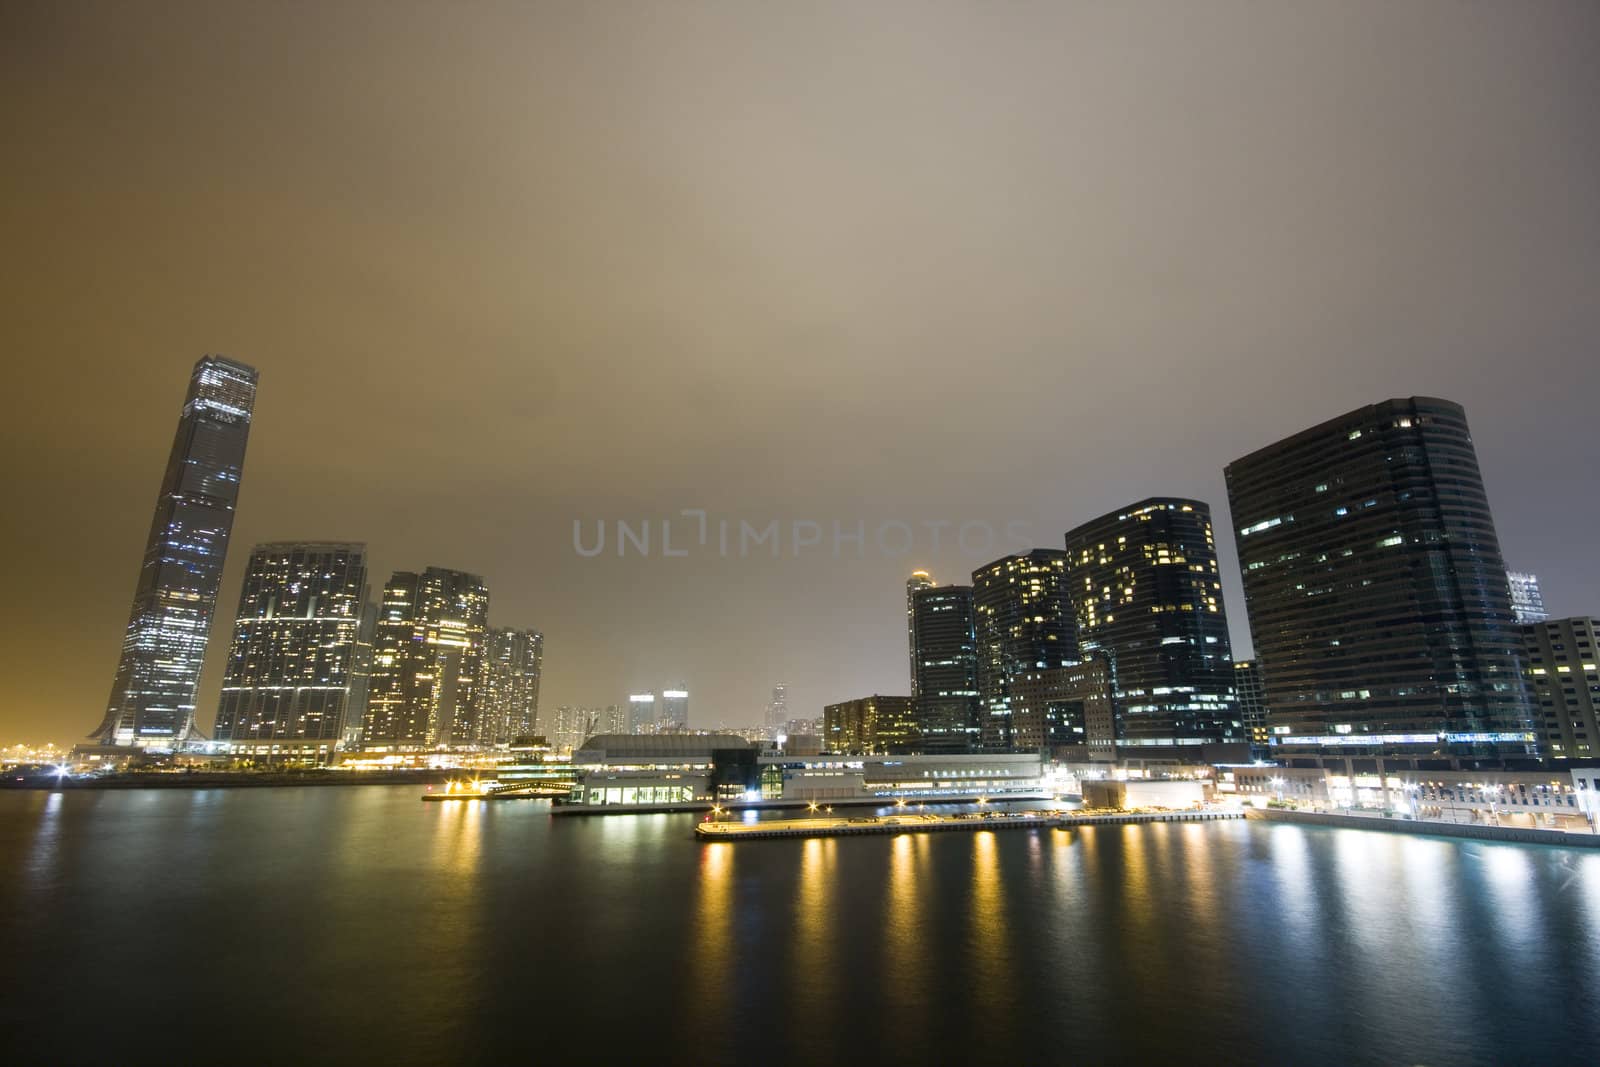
[713,934]
[990,929]
[815,920]
[903,919]
[1136,875]
[458,838]
[1194,851]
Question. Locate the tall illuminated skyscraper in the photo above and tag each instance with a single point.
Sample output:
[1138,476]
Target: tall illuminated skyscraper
[426,687]
[945,661]
[514,661]
[153,696]
[641,713]
[1527,603]
[778,710]
[1023,622]
[918,581]
[290,683]
[1378,598]
[675,708]
[1147,594]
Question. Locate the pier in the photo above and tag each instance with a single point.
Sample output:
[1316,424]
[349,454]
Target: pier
[927,824]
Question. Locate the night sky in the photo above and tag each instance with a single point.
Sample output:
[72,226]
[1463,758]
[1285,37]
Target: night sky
[505,266]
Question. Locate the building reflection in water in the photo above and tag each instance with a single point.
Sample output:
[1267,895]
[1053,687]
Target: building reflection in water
[907,942]
[814,922]
[712,947]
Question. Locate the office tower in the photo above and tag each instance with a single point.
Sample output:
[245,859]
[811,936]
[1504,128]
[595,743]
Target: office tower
[1252,706]
[674,709]
[152,698]
[1067,709]
[872,725]
[1022,621]
[778,710]
[946,664]
[918,581]
[1527,603]
[1565,671]
[361,675]
[286,690]
[1146,592]
[514,659]
[427,661]
[641,713]
[1377,595]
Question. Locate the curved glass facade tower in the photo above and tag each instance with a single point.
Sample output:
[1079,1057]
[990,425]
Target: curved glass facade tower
[1379,605]
[152,699]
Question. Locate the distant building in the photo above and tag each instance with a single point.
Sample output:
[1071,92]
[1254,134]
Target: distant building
[1527,603]
[572,726]
[426,688]
[1022,622]
[641,713]
[778,710]
[674,714]
[1252,706]
[1378,598]
[153,697]
[287,689]
[875,724]
[1564,667]
[1148,596]
[946,662]
[513,662]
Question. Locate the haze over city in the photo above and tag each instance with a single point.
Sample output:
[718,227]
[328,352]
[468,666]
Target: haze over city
[829,263]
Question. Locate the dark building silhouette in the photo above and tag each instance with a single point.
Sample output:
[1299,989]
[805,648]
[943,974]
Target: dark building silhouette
[1146,591]
[153,696]
[1377,594]
[1252,706]
[945,662]
[918,581]
[426,687]
[1022,622]
[290,686]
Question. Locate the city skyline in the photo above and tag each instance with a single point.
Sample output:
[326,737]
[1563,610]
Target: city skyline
[677,279]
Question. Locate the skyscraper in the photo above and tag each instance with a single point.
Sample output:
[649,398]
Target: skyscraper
[918,581]
[153,696]
[869,725]
[778,710]
[1022,621]
[1527,603]
[1146,592]
[292,666]
[1565,671]
[675,708]
[514,661]
[945,661]
[427,661]
[1378,598]
[641,713]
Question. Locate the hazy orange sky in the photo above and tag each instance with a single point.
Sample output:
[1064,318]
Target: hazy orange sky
[505,266]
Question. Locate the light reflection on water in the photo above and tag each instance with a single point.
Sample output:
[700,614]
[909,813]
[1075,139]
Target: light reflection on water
[618,938]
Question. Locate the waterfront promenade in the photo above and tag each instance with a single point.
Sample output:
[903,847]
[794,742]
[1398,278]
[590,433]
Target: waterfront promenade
[925,824]
[1518,834]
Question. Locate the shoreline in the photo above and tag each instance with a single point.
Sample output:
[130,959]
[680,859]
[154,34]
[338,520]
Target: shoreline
[214,780]
[1519,835]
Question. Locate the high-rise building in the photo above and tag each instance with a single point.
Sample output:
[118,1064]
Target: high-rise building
[1022,621]
[153,696]
[946,665]
[1067,709]
[918,581]
[513,662]
[674,709]
[1527,603]
[1252,706]
[1377,594]
[869,726]
[573,726]
[778,710]
[1147,594]
[641,713]
[1564,668]
[426,688]
[292,666]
